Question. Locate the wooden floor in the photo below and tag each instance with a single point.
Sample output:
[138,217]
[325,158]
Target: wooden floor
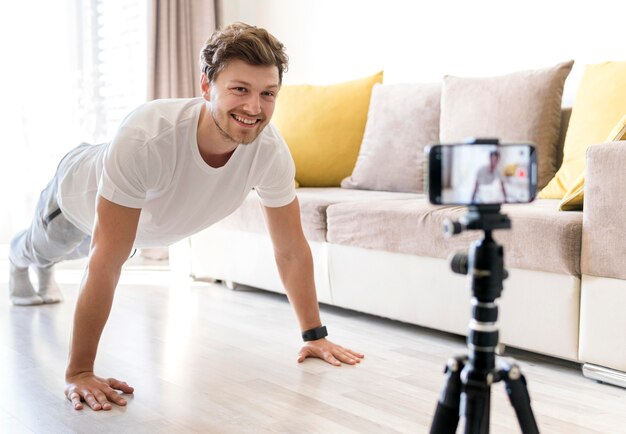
[203,358]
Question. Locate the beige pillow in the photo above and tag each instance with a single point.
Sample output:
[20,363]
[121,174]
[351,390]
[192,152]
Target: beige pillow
[402,120]
[522,106]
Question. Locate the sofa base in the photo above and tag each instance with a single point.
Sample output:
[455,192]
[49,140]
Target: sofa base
[539,311]
[604,375]
[247,258]
[602,322]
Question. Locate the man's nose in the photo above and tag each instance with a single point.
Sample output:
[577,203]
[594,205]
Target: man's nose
[253,104]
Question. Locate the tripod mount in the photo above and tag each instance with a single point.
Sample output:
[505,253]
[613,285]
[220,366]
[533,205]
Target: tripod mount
[467,392]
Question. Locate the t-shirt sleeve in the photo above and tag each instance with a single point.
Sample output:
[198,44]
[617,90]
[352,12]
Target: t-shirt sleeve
[125,177]
[277,187]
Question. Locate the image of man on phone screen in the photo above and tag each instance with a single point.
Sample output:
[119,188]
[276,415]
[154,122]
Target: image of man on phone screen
[489,187]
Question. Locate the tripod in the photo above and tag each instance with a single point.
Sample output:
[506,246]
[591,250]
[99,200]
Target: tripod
[467,391]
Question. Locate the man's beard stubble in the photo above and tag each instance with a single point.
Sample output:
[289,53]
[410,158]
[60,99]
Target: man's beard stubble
[227,136]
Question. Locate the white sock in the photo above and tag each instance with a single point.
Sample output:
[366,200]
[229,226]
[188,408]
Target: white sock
[48,290]
[21,291]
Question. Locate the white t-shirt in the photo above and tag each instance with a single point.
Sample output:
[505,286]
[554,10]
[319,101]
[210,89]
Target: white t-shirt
[489,191]
[154,163]
[486,176]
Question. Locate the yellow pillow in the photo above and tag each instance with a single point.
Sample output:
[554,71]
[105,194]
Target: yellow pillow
[600,102]
[573,199]
[323,127]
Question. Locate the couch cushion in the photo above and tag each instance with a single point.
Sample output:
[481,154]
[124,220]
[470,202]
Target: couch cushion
[575,196]
[313,204]
[323,127]
[522,106]
[599,104]
[604,237]
[542,238]
[402,120]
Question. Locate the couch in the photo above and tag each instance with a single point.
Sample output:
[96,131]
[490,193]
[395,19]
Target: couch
[384,253]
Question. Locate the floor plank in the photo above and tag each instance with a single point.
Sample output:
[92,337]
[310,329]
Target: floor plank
[204,358]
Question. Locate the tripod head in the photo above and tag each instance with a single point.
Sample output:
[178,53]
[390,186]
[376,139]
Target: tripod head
[478,217]
[485,261]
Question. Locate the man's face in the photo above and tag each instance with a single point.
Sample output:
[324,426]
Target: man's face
[494,160]
[242,99]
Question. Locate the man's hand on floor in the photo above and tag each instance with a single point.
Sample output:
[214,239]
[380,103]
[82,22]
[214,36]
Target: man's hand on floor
[97,392]
[329,352]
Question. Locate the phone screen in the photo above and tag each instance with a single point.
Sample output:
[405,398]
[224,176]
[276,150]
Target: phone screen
[474,174]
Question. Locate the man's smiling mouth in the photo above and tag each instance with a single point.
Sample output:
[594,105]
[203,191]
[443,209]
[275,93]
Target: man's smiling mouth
[245,121]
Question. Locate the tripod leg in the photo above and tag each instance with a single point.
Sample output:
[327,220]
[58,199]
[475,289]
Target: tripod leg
[520,399]
[476,405]
[446,417]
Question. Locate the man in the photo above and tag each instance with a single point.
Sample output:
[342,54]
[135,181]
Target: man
[489,182]
[173,168]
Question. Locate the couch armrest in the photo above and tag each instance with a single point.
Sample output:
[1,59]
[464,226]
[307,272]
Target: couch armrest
[604,214]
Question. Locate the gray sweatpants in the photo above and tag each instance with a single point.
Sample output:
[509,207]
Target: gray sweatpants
[51,238]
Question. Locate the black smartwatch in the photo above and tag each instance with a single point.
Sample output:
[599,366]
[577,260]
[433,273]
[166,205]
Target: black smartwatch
[314,334]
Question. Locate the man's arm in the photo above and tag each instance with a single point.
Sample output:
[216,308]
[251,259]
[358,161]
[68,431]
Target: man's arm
[112,240]
[295,265]
[475,192]
[503,190]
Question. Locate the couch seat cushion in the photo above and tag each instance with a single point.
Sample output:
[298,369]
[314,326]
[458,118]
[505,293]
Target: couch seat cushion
[313,204]
[542,238]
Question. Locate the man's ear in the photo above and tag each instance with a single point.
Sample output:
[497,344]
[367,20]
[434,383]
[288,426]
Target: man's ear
[206,87]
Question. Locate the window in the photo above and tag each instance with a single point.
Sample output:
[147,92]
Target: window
[73,70]
[111,61]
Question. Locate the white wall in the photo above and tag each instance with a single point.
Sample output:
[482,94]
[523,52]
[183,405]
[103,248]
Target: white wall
[414,41]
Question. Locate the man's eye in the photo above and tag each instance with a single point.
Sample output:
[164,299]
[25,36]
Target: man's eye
[270,94]
[240,89]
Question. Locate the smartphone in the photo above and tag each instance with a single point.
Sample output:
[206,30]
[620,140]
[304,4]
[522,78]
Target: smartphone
[481,173]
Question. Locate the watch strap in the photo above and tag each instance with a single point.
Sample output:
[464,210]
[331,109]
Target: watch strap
[314,334]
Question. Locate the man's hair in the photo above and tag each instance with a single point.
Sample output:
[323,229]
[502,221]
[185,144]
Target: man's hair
[251,44]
